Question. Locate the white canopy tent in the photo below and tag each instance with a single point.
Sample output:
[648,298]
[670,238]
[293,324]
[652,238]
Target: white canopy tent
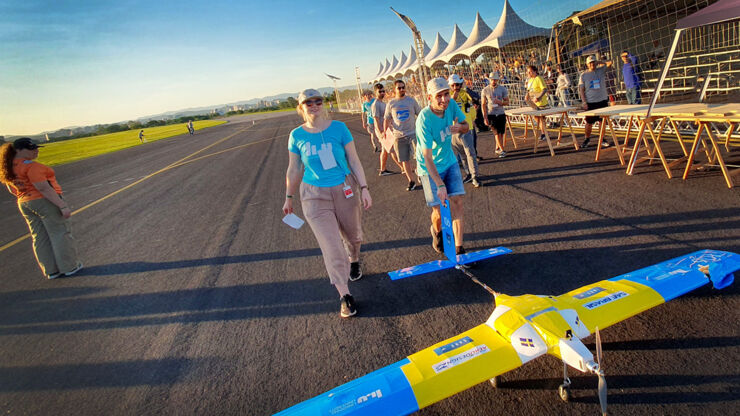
[477,35]
[457,40]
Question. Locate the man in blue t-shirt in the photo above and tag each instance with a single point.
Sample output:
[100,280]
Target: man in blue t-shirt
[436,161]
[630,70]
[368,120]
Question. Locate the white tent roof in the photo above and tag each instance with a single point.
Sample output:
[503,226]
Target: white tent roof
[457,40]
[409,62]
[440,44]
[720,11]
[393,64]
[401,63]
[385,68]
[479,33]
[380,69]
[511,28]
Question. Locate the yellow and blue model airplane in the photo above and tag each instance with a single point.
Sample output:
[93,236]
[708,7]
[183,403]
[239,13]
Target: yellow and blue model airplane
[520,329]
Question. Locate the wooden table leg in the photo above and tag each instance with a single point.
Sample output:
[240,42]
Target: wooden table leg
[627,136]
[721,162]
[679,138]
[570,127]
[694,145]
[602,129]
[636,147]
[511,133]
[616,142]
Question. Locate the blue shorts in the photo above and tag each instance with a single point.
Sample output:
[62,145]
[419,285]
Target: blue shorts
[452,180]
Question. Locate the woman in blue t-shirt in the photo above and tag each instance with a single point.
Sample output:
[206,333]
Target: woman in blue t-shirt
[331,188]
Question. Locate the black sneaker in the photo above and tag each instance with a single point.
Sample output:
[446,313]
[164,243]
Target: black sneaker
[412,186]
[437,242]
[53,275]
[543,138]
[461,250]
[585,142]
[75,270]
[377,150]
[348,307]
[355,272]
[468,178]
[385,173]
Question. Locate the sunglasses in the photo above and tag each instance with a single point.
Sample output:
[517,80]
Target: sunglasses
[400,88]
[310,103]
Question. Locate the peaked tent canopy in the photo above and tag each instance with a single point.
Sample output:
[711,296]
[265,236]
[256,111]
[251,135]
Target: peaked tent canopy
[380,70]
[409,62]
[440,44]
[457,40]
[511,28]
[479,33]
[401,63]
[394,63]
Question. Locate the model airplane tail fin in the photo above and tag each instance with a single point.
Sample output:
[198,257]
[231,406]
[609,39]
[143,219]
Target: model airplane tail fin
[722,274]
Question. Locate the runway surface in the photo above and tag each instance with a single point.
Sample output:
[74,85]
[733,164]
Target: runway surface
[197,299]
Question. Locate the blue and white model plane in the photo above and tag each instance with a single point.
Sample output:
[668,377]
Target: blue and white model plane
[521,329]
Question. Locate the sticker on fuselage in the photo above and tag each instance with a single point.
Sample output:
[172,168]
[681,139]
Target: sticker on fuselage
[588,293]
[603,301]
[377,394]
[452,345]
[460,358]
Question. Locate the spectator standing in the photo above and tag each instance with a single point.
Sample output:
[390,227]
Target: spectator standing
[563,87]
[41,203]
[191,130]
[400,118]
[630,72]
[493,99]
[592,91]
[141,136]
[437,165]
[332,187]
[464,143]
[367,118]
[536,96]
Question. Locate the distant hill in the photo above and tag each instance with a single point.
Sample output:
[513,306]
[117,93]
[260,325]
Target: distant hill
[75,130]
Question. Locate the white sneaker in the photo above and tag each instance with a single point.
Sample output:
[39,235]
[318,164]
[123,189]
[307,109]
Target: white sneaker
[502,154]
[75,270]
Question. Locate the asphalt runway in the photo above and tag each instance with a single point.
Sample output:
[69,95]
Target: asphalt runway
[197,299]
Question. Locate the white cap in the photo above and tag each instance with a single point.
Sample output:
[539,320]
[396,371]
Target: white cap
[591,58]
[307,94]
[494,75]
[436,85]
[455,79]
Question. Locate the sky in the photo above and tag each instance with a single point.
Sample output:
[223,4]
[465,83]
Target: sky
[67,63]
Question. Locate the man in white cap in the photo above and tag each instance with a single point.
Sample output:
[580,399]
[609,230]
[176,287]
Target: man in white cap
[400,118]
[464,144]
[437,164]
[493,99]
[592,90]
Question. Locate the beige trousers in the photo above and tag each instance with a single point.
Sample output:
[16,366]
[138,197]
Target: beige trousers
[336,223]
[53,244]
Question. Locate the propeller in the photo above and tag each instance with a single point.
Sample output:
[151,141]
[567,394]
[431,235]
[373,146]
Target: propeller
[600,373]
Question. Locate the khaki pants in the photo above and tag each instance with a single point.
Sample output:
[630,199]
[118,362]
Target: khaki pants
[53,244]
[336,223]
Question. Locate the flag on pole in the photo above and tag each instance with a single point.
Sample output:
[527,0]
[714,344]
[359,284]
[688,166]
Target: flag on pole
[406,20]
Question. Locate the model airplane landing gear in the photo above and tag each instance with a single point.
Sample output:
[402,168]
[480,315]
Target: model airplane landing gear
[564,389]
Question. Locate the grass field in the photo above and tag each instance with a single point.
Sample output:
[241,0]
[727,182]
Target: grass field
[66,151]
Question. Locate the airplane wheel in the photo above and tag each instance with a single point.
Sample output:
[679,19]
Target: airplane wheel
[495,382]
[564,392]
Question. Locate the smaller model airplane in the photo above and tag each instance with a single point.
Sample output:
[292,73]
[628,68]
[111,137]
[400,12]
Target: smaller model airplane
[521,329]
[457,261]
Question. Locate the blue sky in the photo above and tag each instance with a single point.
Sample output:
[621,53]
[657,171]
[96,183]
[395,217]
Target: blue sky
[74,63]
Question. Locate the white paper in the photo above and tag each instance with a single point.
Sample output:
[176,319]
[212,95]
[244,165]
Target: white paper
[326,156]
[293,221]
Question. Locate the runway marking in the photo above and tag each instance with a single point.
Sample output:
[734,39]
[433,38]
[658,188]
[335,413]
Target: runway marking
[132,184]
[227,150]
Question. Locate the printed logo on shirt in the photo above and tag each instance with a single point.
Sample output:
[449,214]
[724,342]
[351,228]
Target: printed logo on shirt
[403,115]
[311,149]
[595,84]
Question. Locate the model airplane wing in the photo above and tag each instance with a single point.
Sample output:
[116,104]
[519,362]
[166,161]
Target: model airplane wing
[421,379]
[610,301]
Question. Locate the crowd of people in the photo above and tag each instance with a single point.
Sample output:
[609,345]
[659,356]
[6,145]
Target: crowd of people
[430,146]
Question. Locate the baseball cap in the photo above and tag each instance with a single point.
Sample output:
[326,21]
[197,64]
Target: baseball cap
[455,79]
[494,75]
[590,59]
[436,85]
[25,143]
[307,94]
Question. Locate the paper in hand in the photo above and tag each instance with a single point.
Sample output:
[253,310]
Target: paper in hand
[293,221]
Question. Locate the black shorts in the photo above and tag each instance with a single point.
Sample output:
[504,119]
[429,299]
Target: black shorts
[594,106]
[498,122]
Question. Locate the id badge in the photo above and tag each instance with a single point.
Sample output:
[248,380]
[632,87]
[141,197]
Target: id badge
[348,192]
[327,157]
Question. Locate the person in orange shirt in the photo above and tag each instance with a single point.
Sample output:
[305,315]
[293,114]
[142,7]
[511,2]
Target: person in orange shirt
[40,202]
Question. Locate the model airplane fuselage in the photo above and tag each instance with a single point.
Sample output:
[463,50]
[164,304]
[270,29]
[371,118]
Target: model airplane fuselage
[521,329]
